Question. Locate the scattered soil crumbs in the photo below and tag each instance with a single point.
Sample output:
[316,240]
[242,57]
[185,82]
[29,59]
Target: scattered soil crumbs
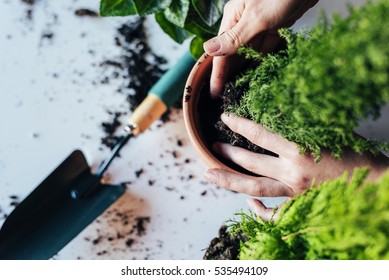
[129,242]
[224,247]
[140,225]
[121,233]
[109,128]
[14,201]
[85,12]
[139,172]
[29,11]
[151,182]
[142,69]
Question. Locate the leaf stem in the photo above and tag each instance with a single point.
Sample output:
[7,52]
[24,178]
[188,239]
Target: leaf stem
[301,231]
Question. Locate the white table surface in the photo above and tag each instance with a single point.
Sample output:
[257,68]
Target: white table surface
[48,109]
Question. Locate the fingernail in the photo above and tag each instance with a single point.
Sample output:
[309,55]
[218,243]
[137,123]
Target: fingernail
[212,45]
[226,116]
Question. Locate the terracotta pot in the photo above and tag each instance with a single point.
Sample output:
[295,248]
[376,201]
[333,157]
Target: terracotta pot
[197,91]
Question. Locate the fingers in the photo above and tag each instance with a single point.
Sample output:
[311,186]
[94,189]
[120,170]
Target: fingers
[255,186]
[260,136]
[227,42]
[224,68]
[217,47]
[222,73]
[261,210]
[260,164]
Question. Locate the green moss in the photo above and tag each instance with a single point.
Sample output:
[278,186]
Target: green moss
[336,220]
[328,79]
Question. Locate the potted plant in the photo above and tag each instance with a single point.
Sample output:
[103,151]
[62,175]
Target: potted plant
[314,93]
[319,88]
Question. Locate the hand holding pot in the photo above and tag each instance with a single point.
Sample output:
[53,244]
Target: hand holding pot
[288,174]
[253,23]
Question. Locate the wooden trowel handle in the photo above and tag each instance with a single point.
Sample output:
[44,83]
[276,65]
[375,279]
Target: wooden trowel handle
[162,95]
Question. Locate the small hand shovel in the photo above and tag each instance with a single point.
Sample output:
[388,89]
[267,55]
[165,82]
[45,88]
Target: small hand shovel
[71,197]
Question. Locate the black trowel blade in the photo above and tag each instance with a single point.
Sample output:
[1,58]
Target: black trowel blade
[49,218]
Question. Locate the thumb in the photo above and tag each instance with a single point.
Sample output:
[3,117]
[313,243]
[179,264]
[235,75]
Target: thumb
[229,41]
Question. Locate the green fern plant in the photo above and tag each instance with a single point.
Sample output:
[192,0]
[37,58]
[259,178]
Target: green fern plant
[316,91]
[336,220]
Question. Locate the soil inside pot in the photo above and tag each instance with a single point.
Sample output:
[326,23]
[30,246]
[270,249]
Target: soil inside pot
[212,129]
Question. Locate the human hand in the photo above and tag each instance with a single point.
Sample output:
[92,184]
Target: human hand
[253,23]
[288,174]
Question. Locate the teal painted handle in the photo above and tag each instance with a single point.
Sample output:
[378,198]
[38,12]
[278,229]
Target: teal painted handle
[170,87]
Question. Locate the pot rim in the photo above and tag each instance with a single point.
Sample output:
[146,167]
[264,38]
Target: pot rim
[191,95]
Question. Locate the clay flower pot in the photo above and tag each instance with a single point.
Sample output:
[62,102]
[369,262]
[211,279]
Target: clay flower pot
[196,100]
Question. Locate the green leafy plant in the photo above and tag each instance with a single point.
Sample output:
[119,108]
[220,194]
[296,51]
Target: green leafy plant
[335,220]
[180,19]
[316,91]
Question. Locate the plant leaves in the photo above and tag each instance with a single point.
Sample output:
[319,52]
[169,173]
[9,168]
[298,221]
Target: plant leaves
[175,32]
[146,7]
[193,21]
[180,19]
[177,12]
[210,11]
[196,47]
[196,30]
[117,8]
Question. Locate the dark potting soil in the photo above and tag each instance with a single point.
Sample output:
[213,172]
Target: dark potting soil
[14,201]
[85,13]
[29,11]
[29,2]
[140,68]
[224,246]
[121,233]
[231,97]
[212,129]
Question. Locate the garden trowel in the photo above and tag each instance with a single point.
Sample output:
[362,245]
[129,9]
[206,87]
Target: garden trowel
[71,197]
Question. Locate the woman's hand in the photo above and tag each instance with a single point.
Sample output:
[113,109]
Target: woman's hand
[253,23]
[288,174]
